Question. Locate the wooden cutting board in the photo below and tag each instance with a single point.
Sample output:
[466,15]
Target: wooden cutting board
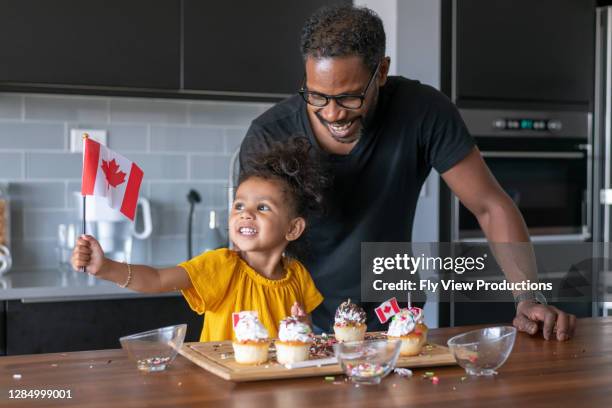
[218,358]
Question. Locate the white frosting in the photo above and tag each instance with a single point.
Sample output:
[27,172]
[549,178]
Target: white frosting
[249,328]
[293,329]
[402,324]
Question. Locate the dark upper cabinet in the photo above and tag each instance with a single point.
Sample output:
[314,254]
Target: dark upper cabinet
[101,43]
[524,50]
[245,46]
[171,48]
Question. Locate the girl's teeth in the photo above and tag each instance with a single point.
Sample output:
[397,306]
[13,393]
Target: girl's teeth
[247,231]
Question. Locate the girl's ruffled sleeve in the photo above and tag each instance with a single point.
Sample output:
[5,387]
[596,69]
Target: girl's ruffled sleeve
[212,275]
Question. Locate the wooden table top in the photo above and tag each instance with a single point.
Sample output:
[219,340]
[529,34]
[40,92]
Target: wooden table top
[538,373]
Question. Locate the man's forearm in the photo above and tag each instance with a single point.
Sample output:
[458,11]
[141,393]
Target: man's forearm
[509,241]
[503,222]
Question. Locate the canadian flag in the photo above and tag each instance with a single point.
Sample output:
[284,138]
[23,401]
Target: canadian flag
[110,175]
[236,316]
[387,310]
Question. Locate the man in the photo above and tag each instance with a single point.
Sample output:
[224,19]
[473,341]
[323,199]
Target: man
[381,136]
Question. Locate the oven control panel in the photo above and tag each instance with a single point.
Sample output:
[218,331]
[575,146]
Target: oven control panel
[527,124]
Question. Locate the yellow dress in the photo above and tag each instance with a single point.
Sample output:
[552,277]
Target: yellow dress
[222,283]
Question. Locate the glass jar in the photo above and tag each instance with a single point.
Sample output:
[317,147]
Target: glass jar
[5,228]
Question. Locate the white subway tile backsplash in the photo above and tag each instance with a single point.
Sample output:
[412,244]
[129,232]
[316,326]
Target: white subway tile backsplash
[125,138]
[168,251]
[53,165]
[11,166]
[66,108]
[141,250]
[30,254]
[209,167]
[32,136]
[44,223]
[147,110]
[71,187]
[186,139]
[161,166]
[224,113]
[179,144]
[174,221]
[40,194]
[233,138]
[11,106]
[121,137]
[174,195]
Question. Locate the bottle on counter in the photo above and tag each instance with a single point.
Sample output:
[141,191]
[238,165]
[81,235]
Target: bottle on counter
[5,225]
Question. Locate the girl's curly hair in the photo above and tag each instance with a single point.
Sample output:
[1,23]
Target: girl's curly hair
[299,168]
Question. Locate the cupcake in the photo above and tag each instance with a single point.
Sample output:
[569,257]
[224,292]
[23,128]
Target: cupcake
[294,340]
[252,342]
[349,323]
[420,327]
[405,327]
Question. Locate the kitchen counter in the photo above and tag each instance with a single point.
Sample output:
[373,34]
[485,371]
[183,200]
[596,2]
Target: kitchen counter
[538,374]
[61,285]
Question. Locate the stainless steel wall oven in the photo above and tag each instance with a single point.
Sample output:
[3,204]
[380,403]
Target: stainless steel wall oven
[521,73]
[541,160]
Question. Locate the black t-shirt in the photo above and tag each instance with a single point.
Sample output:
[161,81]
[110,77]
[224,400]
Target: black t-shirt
[375,187]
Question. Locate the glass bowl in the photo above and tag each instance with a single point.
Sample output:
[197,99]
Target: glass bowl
[367,362]
[481,352]
[154,350]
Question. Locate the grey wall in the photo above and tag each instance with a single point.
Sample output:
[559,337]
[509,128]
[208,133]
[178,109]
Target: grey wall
[418,57]
[179,145]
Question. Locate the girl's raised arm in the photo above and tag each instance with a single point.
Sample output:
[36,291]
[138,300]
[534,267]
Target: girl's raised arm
[142,278]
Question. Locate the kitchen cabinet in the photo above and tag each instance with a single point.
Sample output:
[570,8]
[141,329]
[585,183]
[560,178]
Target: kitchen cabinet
[2,329]
[100,43]
[168,48]
[246,47]
[46,327]
[524,54]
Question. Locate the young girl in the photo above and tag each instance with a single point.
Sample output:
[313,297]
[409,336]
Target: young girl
[275,195]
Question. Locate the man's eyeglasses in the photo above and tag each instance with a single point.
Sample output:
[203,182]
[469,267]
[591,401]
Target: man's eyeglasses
[347,101]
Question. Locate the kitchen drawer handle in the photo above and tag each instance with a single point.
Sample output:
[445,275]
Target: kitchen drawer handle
[68,298]
[533,155]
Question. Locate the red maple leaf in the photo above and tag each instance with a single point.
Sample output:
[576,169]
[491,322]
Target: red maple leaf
[112,172]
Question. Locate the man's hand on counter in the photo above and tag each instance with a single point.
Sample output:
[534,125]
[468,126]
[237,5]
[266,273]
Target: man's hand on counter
[531,316]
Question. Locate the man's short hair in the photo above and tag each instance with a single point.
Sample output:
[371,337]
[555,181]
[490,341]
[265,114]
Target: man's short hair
[342,31]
